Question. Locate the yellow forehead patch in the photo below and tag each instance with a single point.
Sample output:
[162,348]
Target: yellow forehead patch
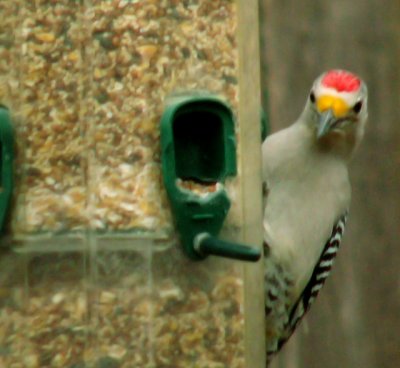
[338,106]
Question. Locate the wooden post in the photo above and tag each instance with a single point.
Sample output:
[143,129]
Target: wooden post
[250,166]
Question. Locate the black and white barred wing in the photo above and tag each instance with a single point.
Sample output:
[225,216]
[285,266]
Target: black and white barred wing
[317,280]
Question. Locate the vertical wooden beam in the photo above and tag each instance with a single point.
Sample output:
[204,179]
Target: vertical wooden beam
[250,172]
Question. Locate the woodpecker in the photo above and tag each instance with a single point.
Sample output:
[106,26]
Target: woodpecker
[307,196]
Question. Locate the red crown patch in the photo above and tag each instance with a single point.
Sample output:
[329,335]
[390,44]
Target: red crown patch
[341,80]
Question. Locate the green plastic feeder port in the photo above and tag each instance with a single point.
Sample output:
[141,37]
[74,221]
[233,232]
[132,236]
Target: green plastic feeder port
[6,163]
[199,149]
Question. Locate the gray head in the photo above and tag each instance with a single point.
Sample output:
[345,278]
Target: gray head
[337,107]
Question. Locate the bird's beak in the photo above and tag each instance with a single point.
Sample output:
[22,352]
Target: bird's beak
[331,109]
[326,122]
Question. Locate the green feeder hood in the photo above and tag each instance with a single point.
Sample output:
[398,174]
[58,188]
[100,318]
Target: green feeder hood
[198,153]
[6,164]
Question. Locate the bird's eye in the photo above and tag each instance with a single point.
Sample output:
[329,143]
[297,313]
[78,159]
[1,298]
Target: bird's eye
[312,97]
[357,107]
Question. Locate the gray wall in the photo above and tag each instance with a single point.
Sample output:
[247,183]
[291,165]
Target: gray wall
[356,320]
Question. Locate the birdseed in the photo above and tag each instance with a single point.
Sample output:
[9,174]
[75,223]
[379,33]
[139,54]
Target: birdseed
[86,84]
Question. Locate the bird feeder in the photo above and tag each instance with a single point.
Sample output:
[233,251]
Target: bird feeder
[6,164]
[130,176]
[199,149]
